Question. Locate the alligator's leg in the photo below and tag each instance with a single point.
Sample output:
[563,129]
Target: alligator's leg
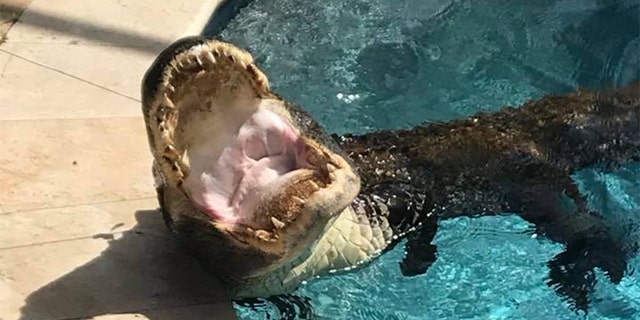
[406,213]
[420,252]
[560,213]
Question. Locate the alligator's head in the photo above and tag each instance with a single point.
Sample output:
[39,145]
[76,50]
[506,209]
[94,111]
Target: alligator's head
[250,182]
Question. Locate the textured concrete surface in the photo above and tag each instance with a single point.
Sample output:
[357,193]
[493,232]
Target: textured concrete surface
[80,235]
[10,11]
[65,162]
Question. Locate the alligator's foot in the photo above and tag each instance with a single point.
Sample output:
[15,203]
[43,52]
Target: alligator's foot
[571,272]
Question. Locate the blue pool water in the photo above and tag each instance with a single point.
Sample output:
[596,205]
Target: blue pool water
[362,65]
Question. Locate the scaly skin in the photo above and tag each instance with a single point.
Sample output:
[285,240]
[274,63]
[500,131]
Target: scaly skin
[516,160]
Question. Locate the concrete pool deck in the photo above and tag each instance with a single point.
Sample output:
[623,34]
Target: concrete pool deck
[79,236]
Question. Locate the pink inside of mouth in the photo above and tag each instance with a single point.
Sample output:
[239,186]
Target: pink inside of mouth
[264,151]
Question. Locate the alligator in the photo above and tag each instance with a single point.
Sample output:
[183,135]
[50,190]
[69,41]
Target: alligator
[266,199]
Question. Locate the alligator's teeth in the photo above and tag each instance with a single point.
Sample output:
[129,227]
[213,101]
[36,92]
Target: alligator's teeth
[264,235]
[171,152]
[210,57]
[184,162]
[277,223]
[315,186]
[199,61]
[167,102]
[298,199]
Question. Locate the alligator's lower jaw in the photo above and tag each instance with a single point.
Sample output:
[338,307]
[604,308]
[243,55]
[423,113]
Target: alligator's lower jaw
[347,243]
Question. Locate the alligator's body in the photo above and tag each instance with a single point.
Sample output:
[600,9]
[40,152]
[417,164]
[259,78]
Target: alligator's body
[511,161]
[206,102]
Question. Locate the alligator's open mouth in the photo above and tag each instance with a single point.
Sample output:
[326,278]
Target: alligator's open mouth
[260,173]
[266,153]
[239,157]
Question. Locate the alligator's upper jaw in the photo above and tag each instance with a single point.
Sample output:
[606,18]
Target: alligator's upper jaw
[218,134]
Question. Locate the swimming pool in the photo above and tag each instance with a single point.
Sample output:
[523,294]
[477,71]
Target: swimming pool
[363,65]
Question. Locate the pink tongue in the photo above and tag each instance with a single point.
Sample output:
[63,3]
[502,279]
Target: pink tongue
[269,149]
[256,179]
[229,188]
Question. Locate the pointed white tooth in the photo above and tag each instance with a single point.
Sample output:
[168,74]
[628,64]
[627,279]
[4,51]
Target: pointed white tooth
[167,102]
[277,223]
[171,152]
[210,57]
[315,185]
[298,199]
[263,235]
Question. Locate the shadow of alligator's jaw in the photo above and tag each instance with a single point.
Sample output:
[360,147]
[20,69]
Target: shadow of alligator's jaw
[142,271]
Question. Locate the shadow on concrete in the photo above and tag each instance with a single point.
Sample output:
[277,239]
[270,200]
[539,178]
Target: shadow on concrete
[142,271]
[219,19]
[113,36]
